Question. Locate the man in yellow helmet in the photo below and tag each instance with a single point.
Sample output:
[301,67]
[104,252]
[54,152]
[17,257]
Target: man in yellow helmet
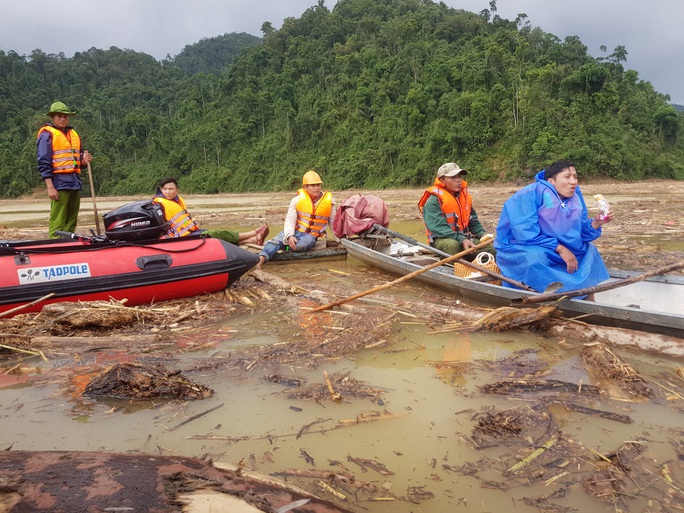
[60,160]
[309,213]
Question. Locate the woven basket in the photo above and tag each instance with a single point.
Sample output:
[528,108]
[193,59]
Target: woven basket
[483,259]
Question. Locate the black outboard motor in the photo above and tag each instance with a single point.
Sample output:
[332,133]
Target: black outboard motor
[140,220]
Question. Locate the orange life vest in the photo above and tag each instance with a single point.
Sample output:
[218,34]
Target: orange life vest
[456,210]
[66,150]
[313,218]
[175,212]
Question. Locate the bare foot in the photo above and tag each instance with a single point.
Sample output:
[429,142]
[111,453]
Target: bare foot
[262,261]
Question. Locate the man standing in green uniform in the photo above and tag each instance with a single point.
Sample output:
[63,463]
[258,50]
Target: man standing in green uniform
[60,160]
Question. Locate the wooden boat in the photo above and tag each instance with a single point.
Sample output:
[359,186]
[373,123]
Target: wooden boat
[99,269]
[654,305]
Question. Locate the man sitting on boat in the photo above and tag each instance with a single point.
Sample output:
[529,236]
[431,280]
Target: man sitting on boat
[544,233]
[182,224]
[450,219]
[309,214]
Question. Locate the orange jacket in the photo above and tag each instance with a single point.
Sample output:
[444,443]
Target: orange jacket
[456,210]
[66,150]
[313,218]
[180,221]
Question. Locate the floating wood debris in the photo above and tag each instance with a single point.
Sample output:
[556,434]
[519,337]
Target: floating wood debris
[508,317]
[101,315]
[335,396]
[535,454]
[615,474]
[618,417]
[535,385]
[307,427]
[329,489]
[522,364]
[24,351]
[417,494]
[286,381]
[367,464]
[334,388]
[197,416]
[307,457]
[373,416]
[135,381]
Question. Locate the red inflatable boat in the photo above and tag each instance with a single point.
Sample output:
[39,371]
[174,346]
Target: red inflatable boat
[99,269]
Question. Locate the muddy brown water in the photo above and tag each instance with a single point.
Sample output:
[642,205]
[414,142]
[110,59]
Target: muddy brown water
[431,403]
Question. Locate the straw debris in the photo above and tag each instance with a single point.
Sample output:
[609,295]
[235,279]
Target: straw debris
[606,363]
[335,388]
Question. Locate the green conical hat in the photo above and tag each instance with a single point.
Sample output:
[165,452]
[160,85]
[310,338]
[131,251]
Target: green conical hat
[60,108]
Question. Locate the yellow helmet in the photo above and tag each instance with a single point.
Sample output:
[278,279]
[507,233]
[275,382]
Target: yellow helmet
[311,178]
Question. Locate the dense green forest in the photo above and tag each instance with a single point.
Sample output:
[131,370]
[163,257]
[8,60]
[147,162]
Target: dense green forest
[372,94]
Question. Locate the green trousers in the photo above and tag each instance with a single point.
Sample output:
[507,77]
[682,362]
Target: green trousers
[227,235]
[64,213]
[452,246]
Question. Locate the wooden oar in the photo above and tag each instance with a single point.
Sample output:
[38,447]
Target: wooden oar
[493,274]
[406,277]
[541,298]
[92,195]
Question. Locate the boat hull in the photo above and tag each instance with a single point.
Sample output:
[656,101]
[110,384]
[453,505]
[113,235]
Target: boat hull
[138,272]
[654,305]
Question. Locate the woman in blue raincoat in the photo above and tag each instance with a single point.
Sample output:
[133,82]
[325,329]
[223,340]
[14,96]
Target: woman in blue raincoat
[544,233]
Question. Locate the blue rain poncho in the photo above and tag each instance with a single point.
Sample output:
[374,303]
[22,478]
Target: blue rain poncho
[532,224]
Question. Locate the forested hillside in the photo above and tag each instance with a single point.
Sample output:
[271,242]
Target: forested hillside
[372,93]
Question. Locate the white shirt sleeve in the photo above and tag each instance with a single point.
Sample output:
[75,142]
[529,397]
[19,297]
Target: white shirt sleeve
[290,219]
[333,211]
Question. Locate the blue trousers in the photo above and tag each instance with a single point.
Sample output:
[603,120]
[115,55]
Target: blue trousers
[305,241]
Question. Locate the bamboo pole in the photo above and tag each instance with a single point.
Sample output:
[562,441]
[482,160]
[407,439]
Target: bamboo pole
[25,351]
[27,305]
[541,298]
[538,452]
[195,417]
[335,396]
[403,278]
[92,195]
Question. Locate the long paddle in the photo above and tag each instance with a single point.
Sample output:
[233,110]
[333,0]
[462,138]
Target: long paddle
[406,238]
[598,288]
[92,195]
[451,258]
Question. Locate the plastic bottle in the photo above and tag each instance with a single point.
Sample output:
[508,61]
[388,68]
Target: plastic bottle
[602,205]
